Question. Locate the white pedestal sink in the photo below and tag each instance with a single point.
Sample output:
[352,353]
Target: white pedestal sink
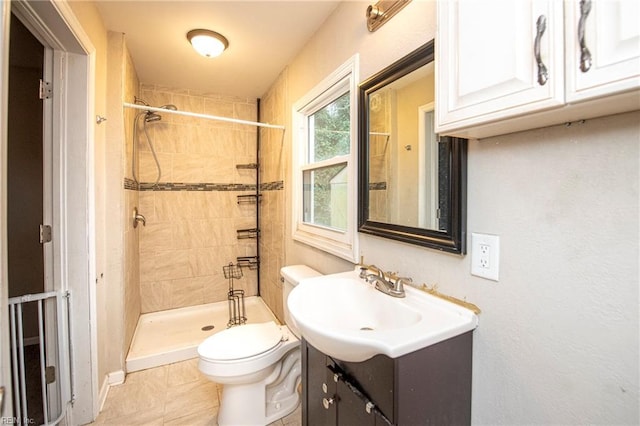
[348,319]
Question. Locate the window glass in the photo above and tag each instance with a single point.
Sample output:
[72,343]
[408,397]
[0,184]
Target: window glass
[329,130]
[325,196]
[324,193]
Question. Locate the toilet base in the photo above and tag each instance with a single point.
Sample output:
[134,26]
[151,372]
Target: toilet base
[242,405]
[280,409]
[266,401]
[246,405]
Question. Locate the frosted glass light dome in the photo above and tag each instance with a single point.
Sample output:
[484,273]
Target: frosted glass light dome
[207,43]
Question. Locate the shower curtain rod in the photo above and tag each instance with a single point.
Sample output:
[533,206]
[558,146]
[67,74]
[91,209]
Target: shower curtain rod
[205,116]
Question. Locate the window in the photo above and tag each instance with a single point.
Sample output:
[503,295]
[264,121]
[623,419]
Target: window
[324,165]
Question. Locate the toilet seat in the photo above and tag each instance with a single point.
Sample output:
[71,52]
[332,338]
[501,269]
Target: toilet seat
[242,342]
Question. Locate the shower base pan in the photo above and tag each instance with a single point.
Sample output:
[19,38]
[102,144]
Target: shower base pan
[172,336]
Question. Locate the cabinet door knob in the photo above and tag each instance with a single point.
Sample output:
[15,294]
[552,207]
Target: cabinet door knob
[585,55]
[327,402]
[541,26]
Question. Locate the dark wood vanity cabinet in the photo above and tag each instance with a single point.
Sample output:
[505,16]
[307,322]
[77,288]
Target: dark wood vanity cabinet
[431,386]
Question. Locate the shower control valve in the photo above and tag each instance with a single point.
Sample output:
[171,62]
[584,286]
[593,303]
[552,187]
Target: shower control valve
[137,217]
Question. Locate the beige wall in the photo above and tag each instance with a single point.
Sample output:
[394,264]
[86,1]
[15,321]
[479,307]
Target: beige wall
[405,192]
[272,212]
[191,234]
[114,206]
[117,281]
[132,298]
[558,340]
[89,17]
[121,240]
[112,319]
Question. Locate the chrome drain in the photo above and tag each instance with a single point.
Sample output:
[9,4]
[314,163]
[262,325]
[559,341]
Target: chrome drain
[207,328]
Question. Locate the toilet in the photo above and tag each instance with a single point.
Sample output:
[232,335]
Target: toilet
[258,365]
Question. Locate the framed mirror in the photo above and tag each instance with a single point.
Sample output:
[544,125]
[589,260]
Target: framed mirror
[412,182]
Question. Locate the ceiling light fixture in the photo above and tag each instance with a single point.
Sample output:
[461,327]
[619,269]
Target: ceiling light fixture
[207,43]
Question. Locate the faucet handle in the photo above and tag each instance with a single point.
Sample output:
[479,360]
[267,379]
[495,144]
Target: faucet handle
[373,268]
[405,280]
[363,272]
[400,281]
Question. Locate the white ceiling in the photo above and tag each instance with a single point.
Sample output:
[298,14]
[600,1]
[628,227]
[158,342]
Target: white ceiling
[264,36]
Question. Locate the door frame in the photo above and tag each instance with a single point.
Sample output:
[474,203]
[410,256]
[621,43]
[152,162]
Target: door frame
[427,167]
[55,25]
[5,371]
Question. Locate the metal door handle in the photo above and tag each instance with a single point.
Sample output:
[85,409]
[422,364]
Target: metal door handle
[541,26]
[585,55]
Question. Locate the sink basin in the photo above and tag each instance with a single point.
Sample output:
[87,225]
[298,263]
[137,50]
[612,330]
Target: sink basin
[348,319]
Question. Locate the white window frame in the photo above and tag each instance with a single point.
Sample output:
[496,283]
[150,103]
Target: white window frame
[343,244]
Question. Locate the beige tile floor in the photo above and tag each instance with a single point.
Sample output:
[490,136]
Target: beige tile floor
[175,394]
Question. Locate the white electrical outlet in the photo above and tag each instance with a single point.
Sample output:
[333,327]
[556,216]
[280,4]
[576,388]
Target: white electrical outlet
[485,256]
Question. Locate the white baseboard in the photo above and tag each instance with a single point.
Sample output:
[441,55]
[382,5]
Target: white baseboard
[116,378]
[102,396]
[112,379]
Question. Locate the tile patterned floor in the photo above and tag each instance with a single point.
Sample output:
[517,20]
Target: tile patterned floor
[175,394]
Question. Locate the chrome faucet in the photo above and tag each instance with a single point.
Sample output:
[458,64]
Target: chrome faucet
[386,283]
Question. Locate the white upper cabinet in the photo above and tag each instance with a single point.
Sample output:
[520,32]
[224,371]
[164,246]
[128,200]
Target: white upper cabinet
[603,47]
[504,66]
[487,67]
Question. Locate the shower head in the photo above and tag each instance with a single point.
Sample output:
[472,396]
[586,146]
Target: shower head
[152,116]
[137,100]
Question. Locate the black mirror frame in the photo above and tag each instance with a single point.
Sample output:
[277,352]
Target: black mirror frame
[453,240]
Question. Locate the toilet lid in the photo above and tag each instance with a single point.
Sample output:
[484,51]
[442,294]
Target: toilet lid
[241,341]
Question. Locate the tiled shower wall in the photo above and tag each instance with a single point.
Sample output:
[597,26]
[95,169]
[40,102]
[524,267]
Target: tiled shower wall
[121,243]
[380,146]
[132,300]
[273,155]
[193,213]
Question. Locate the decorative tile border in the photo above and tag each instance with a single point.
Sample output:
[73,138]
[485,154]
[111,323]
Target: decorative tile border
[179,186]
[272,186]
[130,184]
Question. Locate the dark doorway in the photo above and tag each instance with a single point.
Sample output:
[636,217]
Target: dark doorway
[25,195]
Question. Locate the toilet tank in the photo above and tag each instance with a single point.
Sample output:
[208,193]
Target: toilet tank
[291,276]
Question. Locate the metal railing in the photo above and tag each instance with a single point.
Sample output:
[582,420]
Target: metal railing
[53,357]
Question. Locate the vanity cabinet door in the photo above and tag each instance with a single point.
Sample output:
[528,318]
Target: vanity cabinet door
[317,386]
[602,47]
[351,410]
[377,377]
[326,400]
[491,57]
[431,386]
